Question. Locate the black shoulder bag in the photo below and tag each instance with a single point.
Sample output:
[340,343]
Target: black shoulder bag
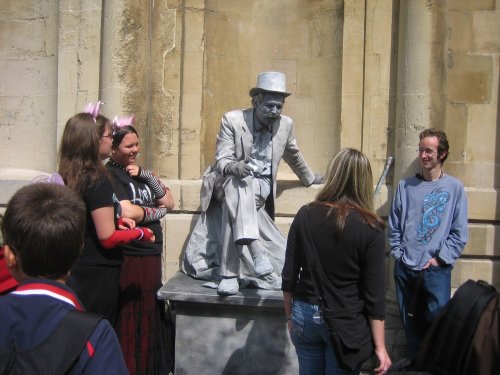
[350,352]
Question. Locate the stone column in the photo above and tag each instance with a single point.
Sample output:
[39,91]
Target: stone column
[111,86]
[420,100]
[78,60]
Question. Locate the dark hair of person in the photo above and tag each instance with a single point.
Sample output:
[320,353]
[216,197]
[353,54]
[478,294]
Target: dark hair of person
[44,225]
[120,132]
[79,153]
[443,145]
[349,186]
[103,124]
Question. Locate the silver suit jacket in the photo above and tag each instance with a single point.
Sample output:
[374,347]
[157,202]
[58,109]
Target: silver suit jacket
[234,143]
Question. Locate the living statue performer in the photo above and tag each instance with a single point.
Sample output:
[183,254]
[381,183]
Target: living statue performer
[235,240]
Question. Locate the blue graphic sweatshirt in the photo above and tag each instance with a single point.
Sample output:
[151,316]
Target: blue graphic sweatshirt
[428,219]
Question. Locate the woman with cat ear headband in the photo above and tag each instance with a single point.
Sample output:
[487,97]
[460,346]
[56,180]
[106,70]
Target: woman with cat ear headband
[141,320]
[95,275]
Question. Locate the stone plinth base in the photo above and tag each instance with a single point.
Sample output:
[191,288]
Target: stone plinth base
[241,334]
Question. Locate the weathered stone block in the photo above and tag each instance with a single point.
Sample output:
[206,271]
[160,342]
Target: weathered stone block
[471,4]
[23,39]
[18,10]
[177,228]
[473,173]
[352,120]
[482,141]
[39,77]
[486,30]
[475,269]
[456,130]
[11,180]
[483,240]
[469,78]
[483,203]
[33,138]
[460,33]
[28,111]
[241,334]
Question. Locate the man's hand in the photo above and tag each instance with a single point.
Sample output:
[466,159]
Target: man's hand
[239,168]
[432,262]
[318,179]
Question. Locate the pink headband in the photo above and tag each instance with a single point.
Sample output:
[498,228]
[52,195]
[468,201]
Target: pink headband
[123,121]
[93,109]
[54,178]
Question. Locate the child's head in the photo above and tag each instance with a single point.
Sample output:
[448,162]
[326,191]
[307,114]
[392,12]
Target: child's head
[43,228]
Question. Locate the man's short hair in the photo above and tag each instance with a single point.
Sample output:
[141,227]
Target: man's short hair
[443,145]
[44,227]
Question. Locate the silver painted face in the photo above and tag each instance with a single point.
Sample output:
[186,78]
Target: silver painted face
[268,109]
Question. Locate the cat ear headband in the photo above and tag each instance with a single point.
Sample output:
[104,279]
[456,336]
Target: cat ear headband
[93,109]
[120,122]
[54,178]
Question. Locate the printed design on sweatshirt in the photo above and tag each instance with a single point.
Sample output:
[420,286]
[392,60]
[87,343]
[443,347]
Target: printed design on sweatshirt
[433,207]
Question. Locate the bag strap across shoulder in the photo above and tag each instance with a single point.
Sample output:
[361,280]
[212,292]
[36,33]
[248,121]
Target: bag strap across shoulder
[318,275]
[59,353]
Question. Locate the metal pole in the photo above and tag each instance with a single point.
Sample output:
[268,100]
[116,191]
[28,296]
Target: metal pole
[387,166]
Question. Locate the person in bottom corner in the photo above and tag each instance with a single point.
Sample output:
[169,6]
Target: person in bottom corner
[141,324]
[427,233]
[40,257]
[349,240]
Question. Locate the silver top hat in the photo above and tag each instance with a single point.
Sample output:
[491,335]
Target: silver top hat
[270,82]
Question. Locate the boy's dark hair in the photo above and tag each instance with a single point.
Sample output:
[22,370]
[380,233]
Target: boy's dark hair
[44,227]
[443,145]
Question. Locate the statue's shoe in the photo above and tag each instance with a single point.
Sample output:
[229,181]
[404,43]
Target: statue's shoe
[228,286]
[262,265]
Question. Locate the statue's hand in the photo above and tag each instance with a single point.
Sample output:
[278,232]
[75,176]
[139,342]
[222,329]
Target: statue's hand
[318,179]
[239,168]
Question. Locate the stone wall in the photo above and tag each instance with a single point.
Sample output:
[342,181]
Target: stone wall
[367,74]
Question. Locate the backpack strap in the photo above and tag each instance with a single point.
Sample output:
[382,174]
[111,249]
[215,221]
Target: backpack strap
[7,358]
[80,325]
[59,353]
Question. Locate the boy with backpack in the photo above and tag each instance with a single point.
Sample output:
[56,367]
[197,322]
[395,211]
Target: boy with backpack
[43,329]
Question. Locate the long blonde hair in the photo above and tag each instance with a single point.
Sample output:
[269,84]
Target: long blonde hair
[349,185]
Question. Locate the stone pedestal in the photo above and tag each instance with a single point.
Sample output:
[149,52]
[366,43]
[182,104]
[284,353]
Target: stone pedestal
[241,334]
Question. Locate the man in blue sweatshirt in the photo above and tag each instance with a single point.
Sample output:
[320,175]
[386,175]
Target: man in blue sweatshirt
[427,233]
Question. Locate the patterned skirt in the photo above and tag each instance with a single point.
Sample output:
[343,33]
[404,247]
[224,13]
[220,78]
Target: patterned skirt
[141,325]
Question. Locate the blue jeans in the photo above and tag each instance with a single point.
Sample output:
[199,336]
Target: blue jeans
[312,343]
[434,292]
